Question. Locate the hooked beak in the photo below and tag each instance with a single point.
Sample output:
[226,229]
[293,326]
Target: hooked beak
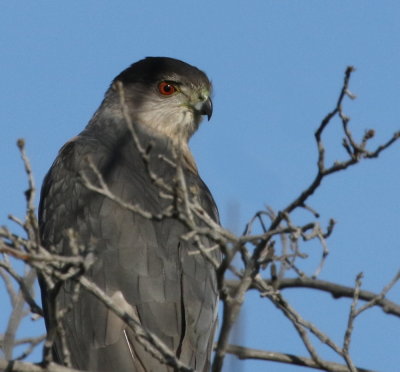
[205,108]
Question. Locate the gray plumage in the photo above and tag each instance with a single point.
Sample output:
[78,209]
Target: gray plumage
[145,261]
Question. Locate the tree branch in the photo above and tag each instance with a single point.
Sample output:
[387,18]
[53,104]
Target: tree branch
[18,366]
[336,290]
[247,353]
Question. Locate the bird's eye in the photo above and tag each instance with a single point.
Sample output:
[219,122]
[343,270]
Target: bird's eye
[166,88]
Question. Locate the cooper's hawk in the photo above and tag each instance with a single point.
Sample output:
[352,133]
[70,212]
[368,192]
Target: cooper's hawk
[149,261]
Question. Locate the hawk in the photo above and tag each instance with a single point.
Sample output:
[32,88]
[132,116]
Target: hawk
[150,262]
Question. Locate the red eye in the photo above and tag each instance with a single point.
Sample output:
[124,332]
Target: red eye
[166,88]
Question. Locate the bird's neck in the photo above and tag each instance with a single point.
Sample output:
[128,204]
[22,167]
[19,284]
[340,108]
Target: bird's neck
[114,123]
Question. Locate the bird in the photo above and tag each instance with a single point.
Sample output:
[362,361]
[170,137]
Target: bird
[145,257]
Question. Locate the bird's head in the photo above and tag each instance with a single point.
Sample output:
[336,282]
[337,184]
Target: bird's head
[167,96]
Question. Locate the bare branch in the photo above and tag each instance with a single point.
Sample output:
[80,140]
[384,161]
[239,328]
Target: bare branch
[336,290]
[16,316]
[25,290]
[18,366]
[248,353]
[350,324]
[32,343]
[380,298]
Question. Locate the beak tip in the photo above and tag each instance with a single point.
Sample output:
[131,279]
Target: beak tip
[207,108]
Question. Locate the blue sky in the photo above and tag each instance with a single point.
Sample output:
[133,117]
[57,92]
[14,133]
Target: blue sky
[277,67]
